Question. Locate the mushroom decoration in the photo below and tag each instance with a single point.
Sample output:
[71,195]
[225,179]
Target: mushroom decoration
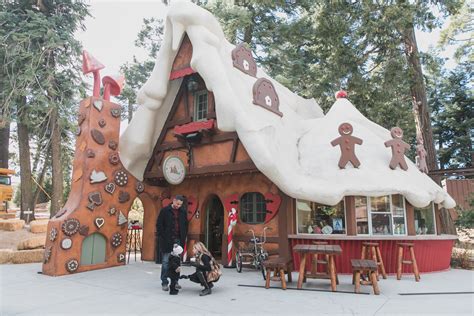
[90,64]
[341,94]
[112,85]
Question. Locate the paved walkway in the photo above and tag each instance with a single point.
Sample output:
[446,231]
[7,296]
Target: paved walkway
[135,290]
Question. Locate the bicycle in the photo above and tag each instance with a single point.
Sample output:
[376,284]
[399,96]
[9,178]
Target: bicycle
[253,255]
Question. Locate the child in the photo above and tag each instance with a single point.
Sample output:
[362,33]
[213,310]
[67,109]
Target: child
[174,268]
[207,270]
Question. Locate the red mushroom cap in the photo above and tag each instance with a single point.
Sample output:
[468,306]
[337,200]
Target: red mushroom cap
[116,83]
[89,63]
[341,94]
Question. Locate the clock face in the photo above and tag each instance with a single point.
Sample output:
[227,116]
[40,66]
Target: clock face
[174,170]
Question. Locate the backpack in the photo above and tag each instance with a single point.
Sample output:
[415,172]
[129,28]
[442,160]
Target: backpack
[215,273]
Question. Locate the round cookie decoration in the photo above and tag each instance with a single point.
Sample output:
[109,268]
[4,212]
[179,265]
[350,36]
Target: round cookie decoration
[66,243]
[116,240]
[121,178]
[70,226]
[139,187]
[72,265]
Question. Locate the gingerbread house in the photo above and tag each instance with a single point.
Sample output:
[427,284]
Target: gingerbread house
[217,129]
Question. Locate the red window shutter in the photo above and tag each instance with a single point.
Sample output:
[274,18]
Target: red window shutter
[192,206]
[231,201]
[272,202]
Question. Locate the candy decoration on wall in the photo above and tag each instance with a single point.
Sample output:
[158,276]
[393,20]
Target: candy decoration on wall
[124,196]
[98,105]
[99,222]
[121,257]
[243,60]
[84,230]
[121,178]
[231,222]
[139,187]
[110,188]
[90,153]
[116,240]
[53,234]
[347,144]
[114,158]
[72,265]
[398,148]
[66,243]
[421,155]
[97,176]
[102,123]
[112,211]
[113,144]
[70,226]
[121,219]
[47,254]
[97,136]
[264,94]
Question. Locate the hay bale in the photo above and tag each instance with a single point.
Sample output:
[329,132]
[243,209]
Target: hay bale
[32,243]
[27,256]
[5,255]
[39,226]
[12,224]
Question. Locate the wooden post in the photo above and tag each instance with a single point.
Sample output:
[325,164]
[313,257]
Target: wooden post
[302,270]
[415,266]
[399,262]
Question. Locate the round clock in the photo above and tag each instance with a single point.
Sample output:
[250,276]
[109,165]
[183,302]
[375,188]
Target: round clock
[174,170]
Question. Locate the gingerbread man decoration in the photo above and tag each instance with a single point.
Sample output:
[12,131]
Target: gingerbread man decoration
[398,148]
[347,144]
[421,155]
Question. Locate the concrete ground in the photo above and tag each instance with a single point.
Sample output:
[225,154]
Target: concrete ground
[135,290]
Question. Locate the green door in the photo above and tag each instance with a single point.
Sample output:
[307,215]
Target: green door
[93,249]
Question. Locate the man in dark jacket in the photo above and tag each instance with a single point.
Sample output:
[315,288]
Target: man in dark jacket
[171,228]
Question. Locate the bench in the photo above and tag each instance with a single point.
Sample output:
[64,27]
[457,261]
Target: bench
[279,266]
[360,266]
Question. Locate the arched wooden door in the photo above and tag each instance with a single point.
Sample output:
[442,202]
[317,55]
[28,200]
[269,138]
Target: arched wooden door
[93,249]
[214,226]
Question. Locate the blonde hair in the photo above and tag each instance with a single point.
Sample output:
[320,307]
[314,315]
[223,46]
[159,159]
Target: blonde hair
[201,249]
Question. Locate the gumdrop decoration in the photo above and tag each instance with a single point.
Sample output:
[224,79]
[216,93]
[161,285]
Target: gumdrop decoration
[398,149]
[341,94]
[243,60]
[264,94]
[347,144]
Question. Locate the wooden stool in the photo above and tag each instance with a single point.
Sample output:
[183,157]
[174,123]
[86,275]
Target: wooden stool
[279,266]
[412,261]
[373,247]
[361,266]
[316,259]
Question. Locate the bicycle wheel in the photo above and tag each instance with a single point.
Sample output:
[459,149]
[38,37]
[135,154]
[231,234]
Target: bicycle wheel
[238,262]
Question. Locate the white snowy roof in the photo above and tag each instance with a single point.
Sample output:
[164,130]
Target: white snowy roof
[293,151]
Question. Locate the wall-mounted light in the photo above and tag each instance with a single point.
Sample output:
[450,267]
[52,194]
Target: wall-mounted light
[192,84]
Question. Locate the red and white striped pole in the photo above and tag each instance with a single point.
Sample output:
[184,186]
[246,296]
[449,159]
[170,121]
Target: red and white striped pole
[231,222]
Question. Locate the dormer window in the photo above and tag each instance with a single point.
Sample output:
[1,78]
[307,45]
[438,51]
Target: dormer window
[200,105]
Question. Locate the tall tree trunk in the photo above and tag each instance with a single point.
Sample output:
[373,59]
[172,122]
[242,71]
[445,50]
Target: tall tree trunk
[25,167]
[130,110]
[57,168]
[418,93]
[4,142]
[40,179]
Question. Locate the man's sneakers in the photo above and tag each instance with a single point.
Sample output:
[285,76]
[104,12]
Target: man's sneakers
[165,287]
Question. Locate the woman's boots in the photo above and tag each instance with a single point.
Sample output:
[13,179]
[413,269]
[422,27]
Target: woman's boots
[207,288]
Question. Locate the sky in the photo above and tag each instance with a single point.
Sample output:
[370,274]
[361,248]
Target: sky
[114,25]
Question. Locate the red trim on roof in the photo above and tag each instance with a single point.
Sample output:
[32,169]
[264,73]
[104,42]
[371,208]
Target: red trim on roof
[195,127]
[181,73]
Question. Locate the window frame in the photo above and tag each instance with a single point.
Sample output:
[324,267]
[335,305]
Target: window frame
[434,220]
[254,209]
[345,218]
[196,96]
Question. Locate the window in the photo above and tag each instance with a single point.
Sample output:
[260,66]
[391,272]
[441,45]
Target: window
[425,220]
[5,180]
[382,215]
[200,105]
[314,218]
[253,209]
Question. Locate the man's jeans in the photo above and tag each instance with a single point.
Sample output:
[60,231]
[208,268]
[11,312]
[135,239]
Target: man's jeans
[165,257]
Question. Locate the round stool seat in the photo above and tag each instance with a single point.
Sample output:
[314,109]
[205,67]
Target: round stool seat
[405,244]
[370,244]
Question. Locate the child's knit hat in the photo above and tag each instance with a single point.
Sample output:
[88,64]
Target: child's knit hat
[177,250]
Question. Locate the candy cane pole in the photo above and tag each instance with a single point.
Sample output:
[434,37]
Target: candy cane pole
[231,222]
